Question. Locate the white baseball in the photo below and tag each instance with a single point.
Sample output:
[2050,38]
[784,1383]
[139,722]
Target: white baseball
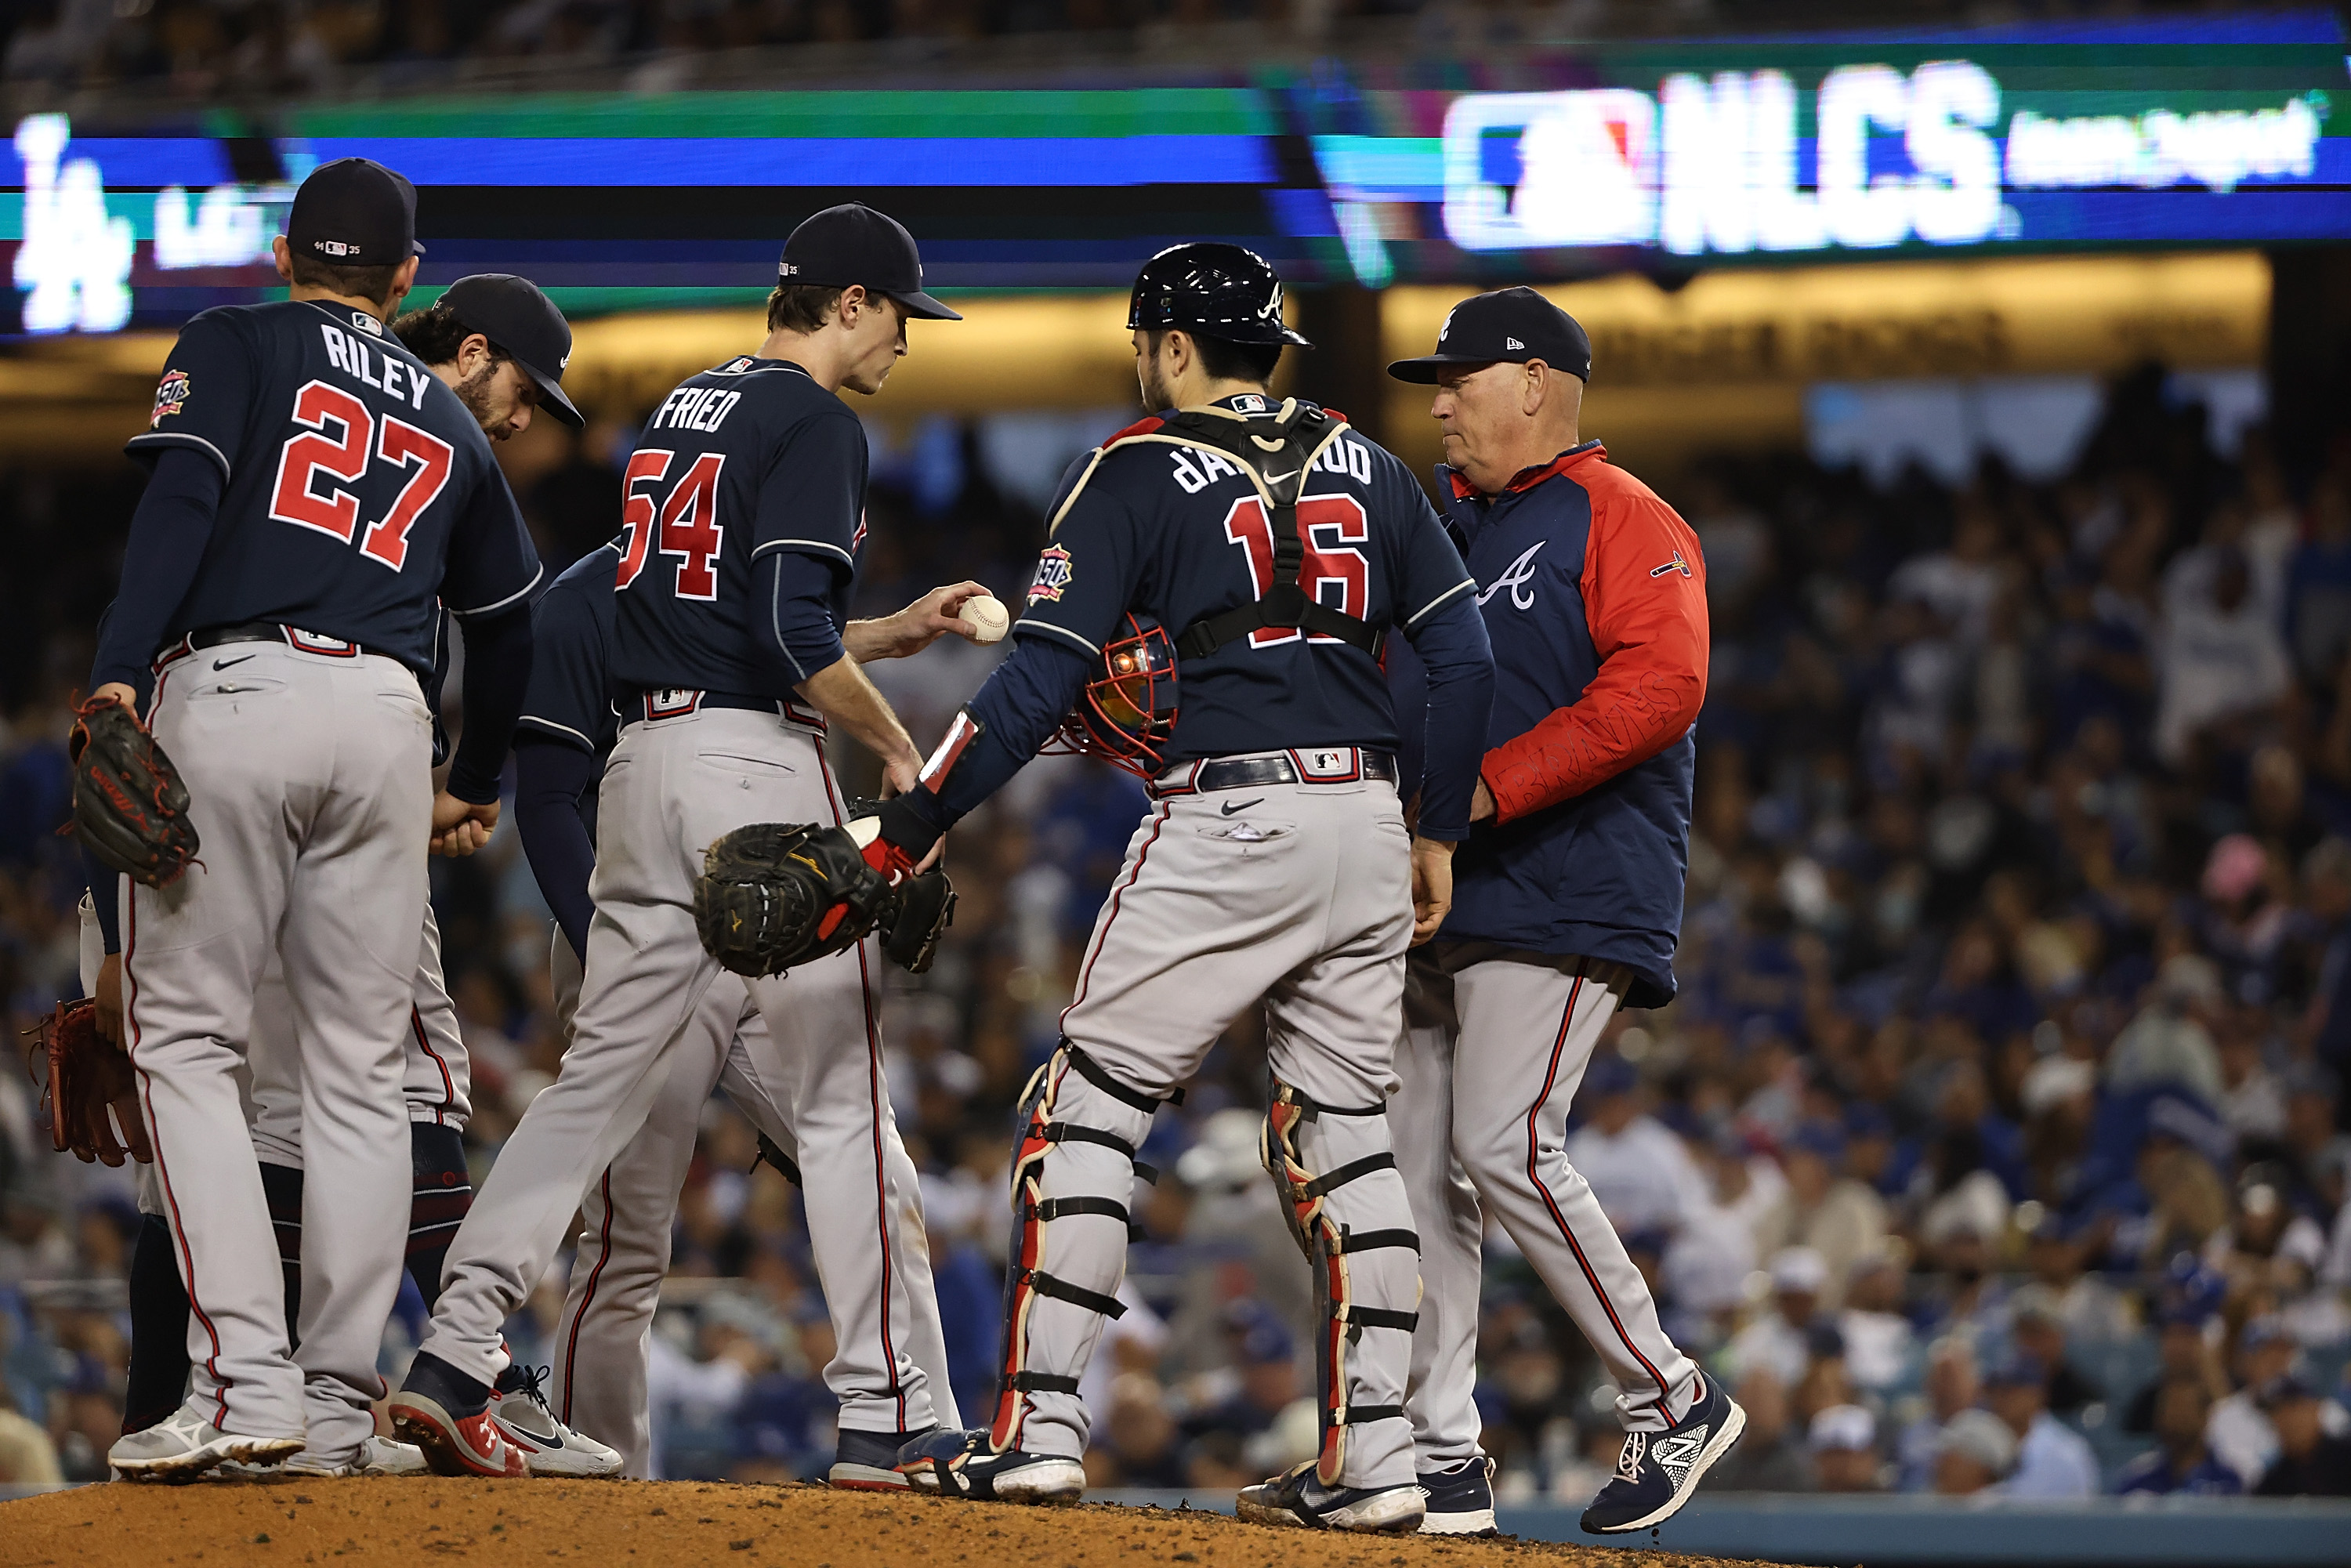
[985,615]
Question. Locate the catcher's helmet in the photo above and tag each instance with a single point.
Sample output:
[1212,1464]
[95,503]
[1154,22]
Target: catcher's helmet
[1214,290]
[1126,714]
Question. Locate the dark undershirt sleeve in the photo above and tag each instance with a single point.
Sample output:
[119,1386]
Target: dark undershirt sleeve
[551,778]
[792,598]
[105,890]
[1451,642]
[169,530]
[1019,709]
[498,673]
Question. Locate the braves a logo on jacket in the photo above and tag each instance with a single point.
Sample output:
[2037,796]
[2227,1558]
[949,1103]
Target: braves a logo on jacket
[1521,572]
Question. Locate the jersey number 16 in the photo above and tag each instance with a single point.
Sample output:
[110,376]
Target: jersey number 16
[686,520]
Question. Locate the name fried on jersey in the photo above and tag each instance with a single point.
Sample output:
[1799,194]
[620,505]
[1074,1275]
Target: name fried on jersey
[357,487]
[699,510]
[1178,532]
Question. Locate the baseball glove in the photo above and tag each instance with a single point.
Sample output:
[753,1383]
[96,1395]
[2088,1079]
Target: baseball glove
[86,1075]
[916,913]
[776,895]
[129,804]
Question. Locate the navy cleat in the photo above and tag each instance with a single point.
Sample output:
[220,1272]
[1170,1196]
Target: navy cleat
[1296,1498]
[1657,1471]
[961,1464]
[868,1461]
[1460,1499]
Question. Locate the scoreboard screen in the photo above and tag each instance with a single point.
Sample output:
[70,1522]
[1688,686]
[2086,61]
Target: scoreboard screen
[1555,163]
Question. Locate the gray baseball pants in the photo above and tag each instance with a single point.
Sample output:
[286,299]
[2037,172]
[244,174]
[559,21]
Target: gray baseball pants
[672,787]
[1494,1044]
[604,1341]
[1299,896]
[310,785]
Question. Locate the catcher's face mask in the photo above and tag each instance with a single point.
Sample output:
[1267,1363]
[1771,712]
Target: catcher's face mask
[1126,714]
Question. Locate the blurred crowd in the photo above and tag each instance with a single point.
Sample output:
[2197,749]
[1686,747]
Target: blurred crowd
[1996,1141]
[251,49]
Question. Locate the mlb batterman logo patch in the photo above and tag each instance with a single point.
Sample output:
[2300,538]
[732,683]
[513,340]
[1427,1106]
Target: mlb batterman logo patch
[1053,575]
[170,395]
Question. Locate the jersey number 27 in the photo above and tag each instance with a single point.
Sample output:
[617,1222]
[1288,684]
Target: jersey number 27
[296,499]
[686,520]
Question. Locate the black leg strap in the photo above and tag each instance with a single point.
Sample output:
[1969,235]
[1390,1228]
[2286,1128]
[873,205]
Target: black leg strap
[1091,1072]
[1045,1284]
[1109,1208]
[1071,1132]
[1370,1240]
[1359,1414]
[1042,1383]
[1378,1317]
[1383,1161]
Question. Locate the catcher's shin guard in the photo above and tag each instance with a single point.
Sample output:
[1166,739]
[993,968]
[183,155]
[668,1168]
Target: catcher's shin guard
[1320,1157]
[1072,1174]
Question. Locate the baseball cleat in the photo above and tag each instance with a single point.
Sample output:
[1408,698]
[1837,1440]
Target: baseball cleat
[1460,1499]
[1657,1471]
[868,1461]
[377,1457]
[961,1464]
[548,1447]
[183,1444]
[1296,1498]
[447,1415]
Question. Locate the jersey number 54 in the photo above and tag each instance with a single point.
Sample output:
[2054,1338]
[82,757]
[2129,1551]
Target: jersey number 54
[296,498]
[686,520]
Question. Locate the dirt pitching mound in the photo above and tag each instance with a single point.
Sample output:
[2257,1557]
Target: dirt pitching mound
[668,1524]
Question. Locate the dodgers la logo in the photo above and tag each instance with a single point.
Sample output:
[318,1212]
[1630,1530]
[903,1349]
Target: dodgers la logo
[1053,575]
[171,395]
[1677,564]
[1521,572]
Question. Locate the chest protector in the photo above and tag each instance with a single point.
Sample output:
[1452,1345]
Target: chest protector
[1274,454]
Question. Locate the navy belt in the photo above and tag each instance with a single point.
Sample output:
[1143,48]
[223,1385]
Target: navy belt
[676,702]
[1302,765]
[294,637]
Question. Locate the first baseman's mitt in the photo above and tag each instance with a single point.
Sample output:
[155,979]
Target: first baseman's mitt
[775,895]
[129,804]
[86,1075]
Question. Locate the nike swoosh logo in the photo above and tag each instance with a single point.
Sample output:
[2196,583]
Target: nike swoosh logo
[1278,478]
[224,663]
[1230,807]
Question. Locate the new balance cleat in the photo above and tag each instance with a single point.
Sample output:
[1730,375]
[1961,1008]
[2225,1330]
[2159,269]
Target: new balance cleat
[1460,1499]
[1296,1498]
[961,1464]
[183,1444]
[548,1447]
[1657,1471]
[868,1461]
[447,1415]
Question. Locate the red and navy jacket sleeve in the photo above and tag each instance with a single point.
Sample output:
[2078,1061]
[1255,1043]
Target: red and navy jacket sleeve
[1644,588]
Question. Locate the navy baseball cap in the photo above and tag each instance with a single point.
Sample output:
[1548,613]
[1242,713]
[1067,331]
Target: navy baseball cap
[354,211]
[515,315]
[1513,324]
[854,244]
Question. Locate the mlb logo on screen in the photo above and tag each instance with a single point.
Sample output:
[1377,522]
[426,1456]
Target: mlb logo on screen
[1581,169]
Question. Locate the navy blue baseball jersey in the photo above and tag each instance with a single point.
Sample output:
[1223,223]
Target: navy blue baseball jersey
[359,488]
[1177,533]
[741,461]
[571,698]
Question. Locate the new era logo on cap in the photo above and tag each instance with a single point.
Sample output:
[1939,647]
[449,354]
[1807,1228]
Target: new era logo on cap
[1517,324]
[1512,343]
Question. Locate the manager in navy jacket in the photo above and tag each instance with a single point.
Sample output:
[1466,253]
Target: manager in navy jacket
[1567,899]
